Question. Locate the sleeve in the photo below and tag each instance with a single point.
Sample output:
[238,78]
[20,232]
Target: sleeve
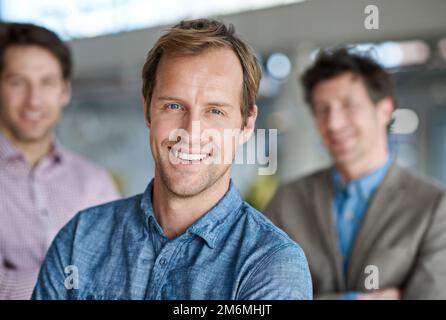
[428,278]
[54,281]
[283,275]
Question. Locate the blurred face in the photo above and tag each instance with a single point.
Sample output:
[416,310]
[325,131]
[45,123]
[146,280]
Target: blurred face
[195,120]
[32,94]
[351,126]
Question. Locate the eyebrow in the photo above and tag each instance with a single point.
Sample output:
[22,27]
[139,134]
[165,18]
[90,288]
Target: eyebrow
[8,75]
[212,103]
[18,74]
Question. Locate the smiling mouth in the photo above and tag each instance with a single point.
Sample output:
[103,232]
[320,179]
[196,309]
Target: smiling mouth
[32,115]
[189,158]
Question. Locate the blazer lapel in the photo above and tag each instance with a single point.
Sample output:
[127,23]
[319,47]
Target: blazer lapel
[324,213]
[386,198]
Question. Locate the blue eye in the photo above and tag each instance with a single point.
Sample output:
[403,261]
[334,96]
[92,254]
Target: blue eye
[216,112]
[173,106]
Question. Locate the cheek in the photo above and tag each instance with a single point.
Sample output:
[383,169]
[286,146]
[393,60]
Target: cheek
[160,131]
[10,100]
[53,104]
[9,108]
[367,123]
[156,133]
[55,112]
[54,96]
[322,128]
[230,142]
[214,124]
[155,140]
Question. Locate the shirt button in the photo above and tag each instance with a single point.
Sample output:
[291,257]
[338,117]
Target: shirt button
[162,261]
[145,261]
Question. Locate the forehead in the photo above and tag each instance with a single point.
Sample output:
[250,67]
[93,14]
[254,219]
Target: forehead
[218,69]
[341,86]
[30,59]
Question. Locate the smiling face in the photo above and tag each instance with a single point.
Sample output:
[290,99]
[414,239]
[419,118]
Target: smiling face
[32,94]
[352,127]
[194,101]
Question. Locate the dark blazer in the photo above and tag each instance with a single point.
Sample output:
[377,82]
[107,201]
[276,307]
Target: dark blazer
[403,234]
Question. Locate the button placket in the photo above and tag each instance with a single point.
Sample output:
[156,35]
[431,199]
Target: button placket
[164,260]
[158,272]
[41,205]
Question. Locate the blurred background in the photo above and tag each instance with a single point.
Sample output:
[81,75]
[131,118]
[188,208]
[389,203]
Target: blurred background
[110,40]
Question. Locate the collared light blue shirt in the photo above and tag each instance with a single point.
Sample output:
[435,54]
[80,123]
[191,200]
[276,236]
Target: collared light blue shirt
[119,251]
[350,204]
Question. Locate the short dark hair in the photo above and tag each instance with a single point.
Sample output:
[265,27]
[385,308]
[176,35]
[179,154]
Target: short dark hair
[26,34]
[334,62]
[192,37]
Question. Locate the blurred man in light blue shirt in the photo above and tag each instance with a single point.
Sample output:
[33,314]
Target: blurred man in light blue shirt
[370,228]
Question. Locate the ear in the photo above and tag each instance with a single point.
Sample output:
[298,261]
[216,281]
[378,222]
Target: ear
[248,129]
[66,93]
[146,112]
[385,110]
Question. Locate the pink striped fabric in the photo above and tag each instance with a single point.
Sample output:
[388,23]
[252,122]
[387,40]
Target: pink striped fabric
[35,204]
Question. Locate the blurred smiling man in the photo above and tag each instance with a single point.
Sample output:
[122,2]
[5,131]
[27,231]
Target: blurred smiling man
[370,228]
[42,185]
[189,235]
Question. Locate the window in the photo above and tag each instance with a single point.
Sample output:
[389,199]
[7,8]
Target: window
[87,18]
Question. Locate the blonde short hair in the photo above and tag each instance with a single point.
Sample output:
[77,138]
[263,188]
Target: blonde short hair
[193,37]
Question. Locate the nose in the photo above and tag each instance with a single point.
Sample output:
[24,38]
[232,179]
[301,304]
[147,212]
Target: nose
[192,124]
[336,119]
[34,96]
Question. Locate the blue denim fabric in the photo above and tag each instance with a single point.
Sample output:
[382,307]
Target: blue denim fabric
[120,252]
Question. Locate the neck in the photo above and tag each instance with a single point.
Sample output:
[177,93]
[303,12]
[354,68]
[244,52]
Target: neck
[361,167]
[32,151]
[176,214]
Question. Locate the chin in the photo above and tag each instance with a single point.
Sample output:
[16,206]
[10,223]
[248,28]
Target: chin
[185,189]
[30,138]
[33,135]
[346,157]
[184,185]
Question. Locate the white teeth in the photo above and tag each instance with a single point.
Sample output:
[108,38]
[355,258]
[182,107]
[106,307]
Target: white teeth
[189,156]
[32,115]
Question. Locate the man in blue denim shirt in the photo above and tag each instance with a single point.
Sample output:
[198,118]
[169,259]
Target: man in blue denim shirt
[189,235]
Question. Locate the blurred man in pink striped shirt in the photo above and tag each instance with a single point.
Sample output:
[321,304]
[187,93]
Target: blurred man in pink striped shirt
[42,185]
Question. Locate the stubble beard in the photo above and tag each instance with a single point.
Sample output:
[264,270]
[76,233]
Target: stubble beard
[206,181]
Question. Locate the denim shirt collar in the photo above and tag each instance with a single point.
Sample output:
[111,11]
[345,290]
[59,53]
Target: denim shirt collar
[211,224]
[365,185]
